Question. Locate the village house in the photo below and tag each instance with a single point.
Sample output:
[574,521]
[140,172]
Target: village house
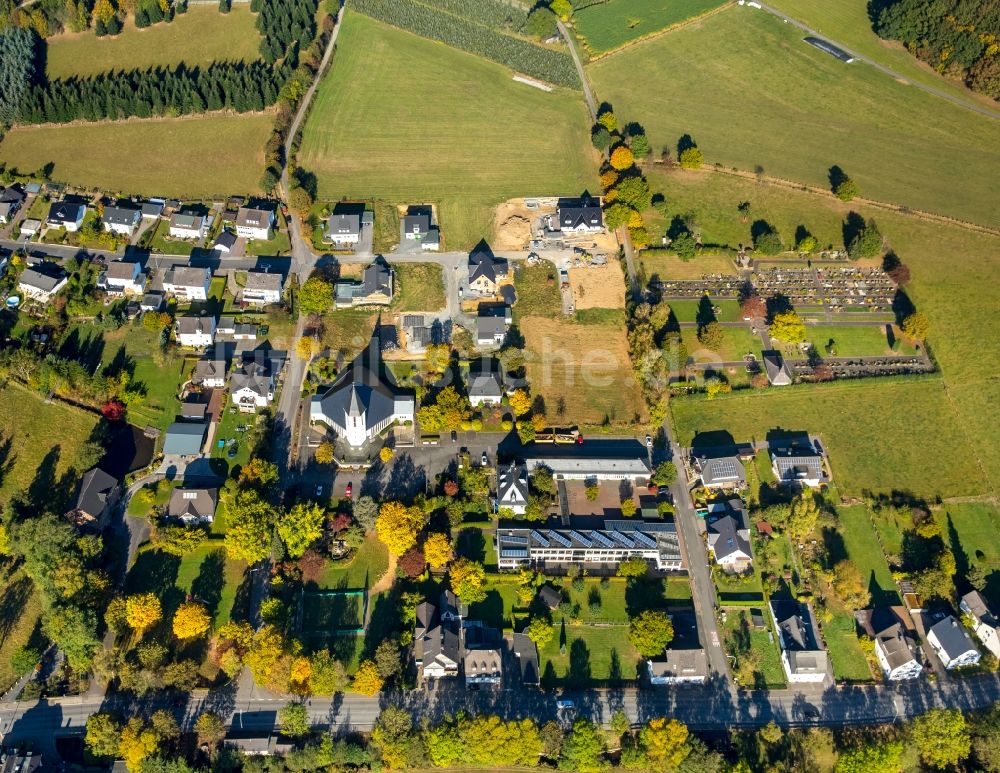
[719,472]
[188,225]
[375,288]
[630,462]
[486,272]
[251,386]
[122,277]
[984,622]
[582,215]
[210,372]
[486,388]
[96,497]
[363,401]
[42,280]
[492,323]
[729,537]
[894,648]
[798,466]
[184,439]
[225,242]
[343,231]
[437,642]
[802,656]
[121,220]
[30,228]
[192,505]
[151,301]
[512,489]
[952,643]
[68,215]
[679,667]
[11,201]
[188,282]
[417,226]
[262,288]
[482,657]
[255,224]
[197,332]
[151,209]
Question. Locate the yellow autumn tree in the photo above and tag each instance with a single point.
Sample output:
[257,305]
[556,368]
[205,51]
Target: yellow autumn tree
[367,680]
[520,402]
[385,454]
[437,550]
[307,347]
[324,454]
[191,621]
[104,11]
[622,158]
[665,742]
[137,743]
[301,673]
[398,526]
[142,612]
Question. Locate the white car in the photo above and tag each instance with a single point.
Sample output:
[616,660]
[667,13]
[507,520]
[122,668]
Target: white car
[649,441]
[565,705]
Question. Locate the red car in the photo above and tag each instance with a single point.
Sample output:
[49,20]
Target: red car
[348,490]
[579,440]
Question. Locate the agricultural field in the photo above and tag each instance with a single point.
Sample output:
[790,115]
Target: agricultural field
[921,449]
[580,382]
[196,38]
[603,27]
[954,271]
[404,119]
[664,266]
[192,157]
[38,441]
[809,112]
[847,22]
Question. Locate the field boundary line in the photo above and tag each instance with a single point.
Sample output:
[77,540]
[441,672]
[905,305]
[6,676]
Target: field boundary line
[899,209]
[149,119]
[649,35]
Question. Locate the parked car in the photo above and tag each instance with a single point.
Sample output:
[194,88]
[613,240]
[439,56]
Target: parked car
[319,490]
[565,705]
[485,459]
[348,490]
[649,441]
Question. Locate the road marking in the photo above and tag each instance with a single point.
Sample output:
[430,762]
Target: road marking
[715,639]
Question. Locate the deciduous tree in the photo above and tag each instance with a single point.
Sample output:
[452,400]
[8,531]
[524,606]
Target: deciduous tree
[367,680]
[941,737]
[468,580]
[398,526]
[711,336]
[650,632]
[293,719]
[437,550]
[103,735]
[787,326]
[917,326]
[324,453]
[849,585]
[691,158]
[315,296]
[622,158]
[191,620]
[300,527]
[210,729]
[142,612]
[583,748]
[248,536]
[520,402]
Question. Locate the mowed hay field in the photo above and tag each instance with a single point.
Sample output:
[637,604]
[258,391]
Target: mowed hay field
[37,440]
[405,119]
[583,369]
[847,23]
[185,157]
[196,38]
[955,273]
[766,98]
[599,287]
[611,24]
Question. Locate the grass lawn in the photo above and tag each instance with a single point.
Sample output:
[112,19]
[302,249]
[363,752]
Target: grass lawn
[580,379]
[161,241]
[846,656]
[865,440]
[769,674]
[592,654]
[362,570]
[279,244]
[210,576]
[404,119]
[420,287]
[537,291]
[347,331]
[689,310]
[736,343]
[326,613]
[671,266]
[196,38]
[194,157]
[37,444]
[733,588]
[227,431]
[20,608]
[137,508]
[473,543]
[860,544]
[970,530]
[847,22]
[809,112]
[606,26]
[852,341]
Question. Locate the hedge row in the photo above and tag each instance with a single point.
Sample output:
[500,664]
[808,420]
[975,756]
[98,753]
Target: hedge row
[520,55]
[489,13]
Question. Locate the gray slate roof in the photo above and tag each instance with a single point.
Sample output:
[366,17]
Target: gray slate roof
[343,225]
[96,488]
[253,376]
[796,466]
[527,658]
[121,216]
[417,224]
[192,503]
[187,220]
[485,384]
[43,276]
[377,278]
[483,264]
[952,636]
[723,470]
[728,537]
[226,240]
[581,212]
[184,438]
[209,369]
[119,269]
[65,212]
[254,218]
[188,276]
[776,369]
[191,325]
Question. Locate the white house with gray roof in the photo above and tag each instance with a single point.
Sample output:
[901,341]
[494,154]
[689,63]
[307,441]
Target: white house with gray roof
[729,538]
[42,280]
[579,463]
[68,215]
[894,649]
[798,466]
[197,332]
[984,622]
[121,220]
[262,288]
[255,224]
[343,231]
[251,386]
[417,226]
[210,372]
[188,225]
[802,656]
[512,488]
[582,215]
[719,472]
[363,401]
[375,288]
[952,643]
[124,277]
[188,282]
[193,505]
[485,388]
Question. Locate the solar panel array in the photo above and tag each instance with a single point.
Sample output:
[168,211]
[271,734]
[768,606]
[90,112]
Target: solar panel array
[629,527]
[724,468]
[621,538]
[601,539]
[515,539]
[557,537]
[514,553]
[581,539]
[644,539]
[537,535]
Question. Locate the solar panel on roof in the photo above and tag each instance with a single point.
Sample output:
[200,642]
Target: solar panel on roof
[539,538]
[724,468]
[581,539]
[644,539]
[619,537]
[601,539]
[622,526]
[630,527]
[514,553]
[556,536]
[514,539]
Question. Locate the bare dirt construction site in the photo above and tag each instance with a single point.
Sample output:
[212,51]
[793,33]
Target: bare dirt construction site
[512,224]
[582,371]
[598,287]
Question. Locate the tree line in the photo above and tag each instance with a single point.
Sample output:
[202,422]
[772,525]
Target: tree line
[958,38]
[239,86]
